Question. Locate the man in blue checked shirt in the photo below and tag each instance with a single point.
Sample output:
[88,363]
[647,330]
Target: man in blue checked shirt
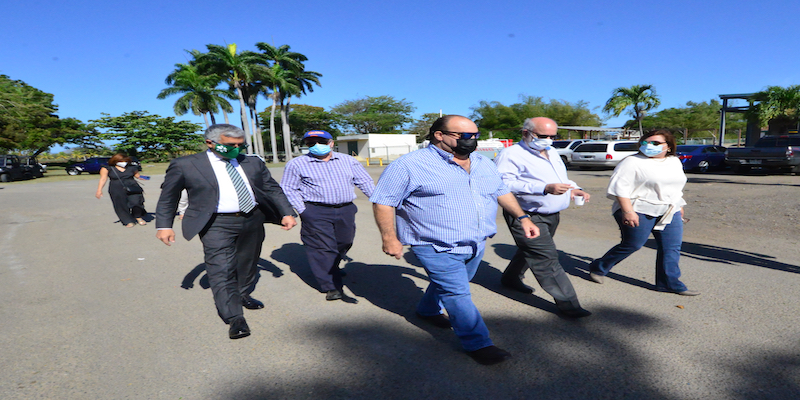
[534,172]
[320,187]
[442,201]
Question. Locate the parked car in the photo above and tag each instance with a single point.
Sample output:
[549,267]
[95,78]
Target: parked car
[701,158]
[603,154]
[11,169]
[32,166]
[93,165]
[770,152]
[566,147]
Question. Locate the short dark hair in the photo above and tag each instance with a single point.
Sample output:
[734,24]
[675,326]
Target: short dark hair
[668,137]
[440,124]
[119,157]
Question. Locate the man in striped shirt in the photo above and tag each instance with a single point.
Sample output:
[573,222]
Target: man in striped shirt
[319,186]
[442,201]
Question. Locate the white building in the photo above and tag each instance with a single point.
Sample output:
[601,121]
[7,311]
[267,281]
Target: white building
[383,146]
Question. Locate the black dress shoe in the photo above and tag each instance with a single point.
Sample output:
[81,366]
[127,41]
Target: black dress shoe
[334,294]
[239,328]
[251,303]
[439,321]
[489,355]
[516,285]
[576,313]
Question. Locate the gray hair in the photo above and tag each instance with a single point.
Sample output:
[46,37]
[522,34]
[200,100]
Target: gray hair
[215,131]
[527,127]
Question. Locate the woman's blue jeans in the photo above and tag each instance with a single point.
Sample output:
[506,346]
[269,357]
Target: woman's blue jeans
[668,254]
[449,288]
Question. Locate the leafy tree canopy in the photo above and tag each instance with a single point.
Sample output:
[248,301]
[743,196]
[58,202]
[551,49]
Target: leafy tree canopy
[639,99]
[149,136]
[28,120]
[695,119]
[304,118]
[421,126]
[382,114]
[505,121]
[778,108]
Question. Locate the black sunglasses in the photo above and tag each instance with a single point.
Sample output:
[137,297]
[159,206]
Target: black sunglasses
[313,141]
[464,135]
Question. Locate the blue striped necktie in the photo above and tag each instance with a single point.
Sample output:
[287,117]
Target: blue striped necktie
[246,203]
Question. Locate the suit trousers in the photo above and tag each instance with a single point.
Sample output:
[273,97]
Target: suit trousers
[232,248]
[540,255]
[327,234]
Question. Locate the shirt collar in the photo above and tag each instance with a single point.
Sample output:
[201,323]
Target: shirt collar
[315,159]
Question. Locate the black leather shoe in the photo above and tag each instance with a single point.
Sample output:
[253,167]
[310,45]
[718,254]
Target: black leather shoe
[439,321]
[239,328]
[334,294]
[489,355]
[576,313]
[516,285]
[251,303]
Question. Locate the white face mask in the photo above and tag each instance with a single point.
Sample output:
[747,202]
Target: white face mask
[540,144]
[122,164]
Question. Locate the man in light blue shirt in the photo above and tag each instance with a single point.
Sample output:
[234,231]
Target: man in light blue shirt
[442,201]
[534,172]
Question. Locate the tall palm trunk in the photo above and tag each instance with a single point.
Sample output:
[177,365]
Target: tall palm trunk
[258,142]
[205,117]
[272,140]
[213,120]
[287,135]
[225,113]
[245,120]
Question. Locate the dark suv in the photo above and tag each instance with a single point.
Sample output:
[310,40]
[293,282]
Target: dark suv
[93,165]
[32,167]
[11,169]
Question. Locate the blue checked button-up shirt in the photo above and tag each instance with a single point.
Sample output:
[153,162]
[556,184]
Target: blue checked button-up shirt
[308,178]
[438,203]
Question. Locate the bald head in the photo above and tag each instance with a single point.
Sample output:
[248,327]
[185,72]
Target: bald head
[452,123]
[540,126]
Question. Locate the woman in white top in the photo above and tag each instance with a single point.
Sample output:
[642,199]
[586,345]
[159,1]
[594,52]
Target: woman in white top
[647,189]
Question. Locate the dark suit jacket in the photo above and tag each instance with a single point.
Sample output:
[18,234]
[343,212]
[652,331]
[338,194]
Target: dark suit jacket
[194,173]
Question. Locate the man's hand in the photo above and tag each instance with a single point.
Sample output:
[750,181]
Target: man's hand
[288,222]
[393,247]
[530,229]
[166,235]
[578,192]
[558,188]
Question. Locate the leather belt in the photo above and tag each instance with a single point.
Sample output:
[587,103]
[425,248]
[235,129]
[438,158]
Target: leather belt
[329,205]
[235,214]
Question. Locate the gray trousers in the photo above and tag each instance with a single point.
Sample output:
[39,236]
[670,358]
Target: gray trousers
[232,247]
[540,255]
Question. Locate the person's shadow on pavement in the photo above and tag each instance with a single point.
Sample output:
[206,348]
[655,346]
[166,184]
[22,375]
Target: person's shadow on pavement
[188,280]
[294,255]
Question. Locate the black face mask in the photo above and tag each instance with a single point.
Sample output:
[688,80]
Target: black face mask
[465,146]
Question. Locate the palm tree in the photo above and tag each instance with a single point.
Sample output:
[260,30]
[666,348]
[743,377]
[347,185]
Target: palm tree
[200,93]
[640,98]
[238,69]
[289,78]
[779,105]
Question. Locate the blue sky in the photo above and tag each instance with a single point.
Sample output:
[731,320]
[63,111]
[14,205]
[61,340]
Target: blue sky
[112,56]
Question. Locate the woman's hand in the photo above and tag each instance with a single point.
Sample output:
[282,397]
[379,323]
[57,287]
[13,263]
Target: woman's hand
[99,194]
[630,218]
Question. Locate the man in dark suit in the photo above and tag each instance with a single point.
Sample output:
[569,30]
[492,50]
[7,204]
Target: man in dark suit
[230,198]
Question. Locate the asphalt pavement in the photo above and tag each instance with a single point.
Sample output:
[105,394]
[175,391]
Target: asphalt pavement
[90,309]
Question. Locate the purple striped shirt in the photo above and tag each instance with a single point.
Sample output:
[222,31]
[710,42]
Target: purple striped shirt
[309,179]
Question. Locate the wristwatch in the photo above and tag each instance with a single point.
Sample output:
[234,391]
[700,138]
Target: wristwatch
[521,217]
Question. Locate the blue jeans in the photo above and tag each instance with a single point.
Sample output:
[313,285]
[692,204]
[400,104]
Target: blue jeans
[450,275]
[668,252]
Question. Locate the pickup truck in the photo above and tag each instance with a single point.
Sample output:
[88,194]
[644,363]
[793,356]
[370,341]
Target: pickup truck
[770,152]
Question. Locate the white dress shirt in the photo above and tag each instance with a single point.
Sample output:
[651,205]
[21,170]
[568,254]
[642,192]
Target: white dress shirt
[526,173]
[228,200]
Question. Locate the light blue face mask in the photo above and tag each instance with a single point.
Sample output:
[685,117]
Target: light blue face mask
[319,149]
[650,149]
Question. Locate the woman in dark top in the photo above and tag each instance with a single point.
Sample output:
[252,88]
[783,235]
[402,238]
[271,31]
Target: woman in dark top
[128,206]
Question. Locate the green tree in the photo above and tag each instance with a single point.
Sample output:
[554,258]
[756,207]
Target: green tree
[693,120]
[28,120]
[238,69]
[778,108]
[638,98]
[150,136]
[421,126]
[304,118]
[200,93]
[382,114]
[506,121]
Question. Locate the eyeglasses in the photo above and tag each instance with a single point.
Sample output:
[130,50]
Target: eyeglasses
[654,143]
[312,141]
[228,144]
[464,135]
